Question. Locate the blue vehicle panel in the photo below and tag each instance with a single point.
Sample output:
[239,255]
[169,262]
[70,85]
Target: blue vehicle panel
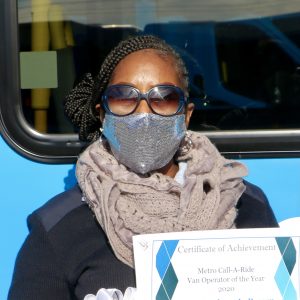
[26,185]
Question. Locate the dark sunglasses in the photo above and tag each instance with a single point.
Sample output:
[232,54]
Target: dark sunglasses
[122,99]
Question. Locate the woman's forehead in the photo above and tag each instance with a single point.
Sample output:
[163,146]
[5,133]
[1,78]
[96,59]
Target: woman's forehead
[152,55]
[148,62]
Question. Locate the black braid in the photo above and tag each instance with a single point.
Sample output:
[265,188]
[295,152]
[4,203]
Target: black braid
[80,103]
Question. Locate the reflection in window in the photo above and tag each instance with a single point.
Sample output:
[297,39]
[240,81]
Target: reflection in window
[259,66]
[79,49]
[252,61]
[247,68]
[289,25]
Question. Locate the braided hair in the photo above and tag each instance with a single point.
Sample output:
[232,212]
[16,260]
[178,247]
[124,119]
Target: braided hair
[80,104]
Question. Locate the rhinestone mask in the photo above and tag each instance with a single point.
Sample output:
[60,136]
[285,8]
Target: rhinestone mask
[144,142]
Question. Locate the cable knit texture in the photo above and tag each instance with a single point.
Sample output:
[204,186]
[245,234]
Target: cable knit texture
[126,203]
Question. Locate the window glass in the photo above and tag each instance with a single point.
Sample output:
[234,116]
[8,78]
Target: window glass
[244,74]
[72,45]
[254,64]
[289,26]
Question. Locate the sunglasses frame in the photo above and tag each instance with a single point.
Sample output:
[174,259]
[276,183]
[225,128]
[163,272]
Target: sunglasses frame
[145,96]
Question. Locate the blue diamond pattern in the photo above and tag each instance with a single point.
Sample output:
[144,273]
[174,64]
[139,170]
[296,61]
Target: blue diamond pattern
[282,277]
[288,251]
[162,260]
[165,270]
[162,294]
[285,268]
[163,256]
[170,281]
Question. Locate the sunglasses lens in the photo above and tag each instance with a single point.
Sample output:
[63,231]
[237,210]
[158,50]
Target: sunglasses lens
[121,100]
[166,100]
[163,99]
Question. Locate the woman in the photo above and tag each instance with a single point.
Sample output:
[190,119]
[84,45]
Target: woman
[145,173]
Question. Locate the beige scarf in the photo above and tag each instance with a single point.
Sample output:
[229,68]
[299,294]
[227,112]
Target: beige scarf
[126,204]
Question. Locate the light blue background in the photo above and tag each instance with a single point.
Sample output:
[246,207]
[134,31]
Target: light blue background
[26,185]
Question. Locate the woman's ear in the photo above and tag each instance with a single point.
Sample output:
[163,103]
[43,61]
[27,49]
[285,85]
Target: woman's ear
[188,113]
[100,111]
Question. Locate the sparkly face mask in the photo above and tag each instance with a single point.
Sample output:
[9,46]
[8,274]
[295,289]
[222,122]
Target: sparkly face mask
[144,142]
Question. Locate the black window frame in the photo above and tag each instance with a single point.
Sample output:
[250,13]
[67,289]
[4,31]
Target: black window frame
[64,148]
[48,148]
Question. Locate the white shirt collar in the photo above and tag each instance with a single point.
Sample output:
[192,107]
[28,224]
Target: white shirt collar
[179,177]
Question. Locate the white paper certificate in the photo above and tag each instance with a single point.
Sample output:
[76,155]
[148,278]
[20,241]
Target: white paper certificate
[241,264]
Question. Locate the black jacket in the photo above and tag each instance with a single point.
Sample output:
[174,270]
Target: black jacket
[67,256]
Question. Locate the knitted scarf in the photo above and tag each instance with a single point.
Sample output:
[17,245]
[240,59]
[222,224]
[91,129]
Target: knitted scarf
[126,204]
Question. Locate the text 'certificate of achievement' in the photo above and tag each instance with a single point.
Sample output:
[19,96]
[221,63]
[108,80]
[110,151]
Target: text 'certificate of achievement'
[236,264]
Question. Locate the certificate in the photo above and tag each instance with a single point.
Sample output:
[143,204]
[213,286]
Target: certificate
[236,264]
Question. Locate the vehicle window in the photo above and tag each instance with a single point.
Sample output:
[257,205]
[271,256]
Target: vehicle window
[248,74]
[289,26]
[53,45]
[243,71]
[254,64]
